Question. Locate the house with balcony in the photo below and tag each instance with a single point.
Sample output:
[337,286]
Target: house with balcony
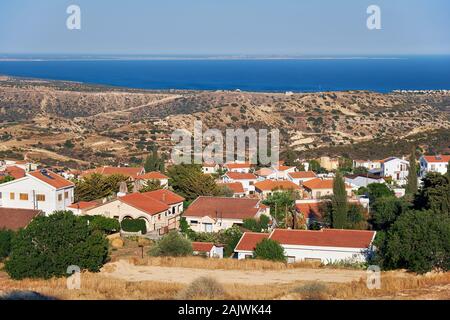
[438,164]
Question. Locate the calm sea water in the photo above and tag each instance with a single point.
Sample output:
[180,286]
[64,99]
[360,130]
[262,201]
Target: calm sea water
[382,75]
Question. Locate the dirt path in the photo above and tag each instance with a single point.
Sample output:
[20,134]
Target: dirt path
[126,271]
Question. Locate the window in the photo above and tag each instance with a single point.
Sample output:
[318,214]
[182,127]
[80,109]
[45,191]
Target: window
[59,197]
[23,196]
[194,222]
[66,195]
[40,197]
[173,210]
[291,259]
[12,196]
[208,227]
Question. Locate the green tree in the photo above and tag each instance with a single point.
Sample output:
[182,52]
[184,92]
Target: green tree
[269,249]
[434,194]
[418,241]
[315,166]
[100,223]
[151,185]
[173,244]
[69,144]
[190,182]
[411,186]
[97,186]
[282,206]
[339,203]
[257,225]
[6,179]
[230,238]
[378,190]
[153,162]
[6,237]
[386,210]
[360,171]
[49,245]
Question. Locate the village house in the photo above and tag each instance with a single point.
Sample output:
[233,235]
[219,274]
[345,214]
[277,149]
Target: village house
[12,171]
[318,188]
[160,209]
[212,214]
[210,168]
[368,164]
[23,164]
[39,190]
[437,164]
[207,249]
[310,210]
[247,180]
[329,164]
[15,219]
[152,176]
[236,187]
[324,246]
[301,177]
[362,180]
[280,172]
[266,188]
[131,172]
[265,173]
[237,167]
[395,168]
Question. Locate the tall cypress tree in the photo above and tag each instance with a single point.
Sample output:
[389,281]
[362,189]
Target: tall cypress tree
[411,187]
[339,203]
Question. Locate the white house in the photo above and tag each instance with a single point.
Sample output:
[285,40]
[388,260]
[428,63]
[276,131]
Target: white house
[266,188]
[281,172]
[437,164]
[368,164]
[237,167]
[153,176]
[212,214]
[210,168]
[160,209]
[39,190]
[301,176]
[207,249]
[324,246]
[360,180]
[395,168]
[247,180]
[318,188]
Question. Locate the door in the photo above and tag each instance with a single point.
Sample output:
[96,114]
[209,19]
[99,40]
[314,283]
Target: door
[208,227]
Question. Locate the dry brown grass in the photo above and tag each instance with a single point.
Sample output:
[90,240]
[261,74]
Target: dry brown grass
[203,288]
[221,264]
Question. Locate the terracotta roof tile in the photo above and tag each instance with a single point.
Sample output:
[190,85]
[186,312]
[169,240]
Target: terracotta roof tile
[228,208]
[321,184]
[84,205]
[15,219]
[202,246]
[302,174]
[231,166]
[154,175]
[236,187]
[165,196]
[15,172]
[241,176]
[51,178]
[437,159]
[144,203]
[270,185]
[311,210]
[249,240]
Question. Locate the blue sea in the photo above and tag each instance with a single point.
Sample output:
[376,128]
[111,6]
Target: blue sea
[381,74]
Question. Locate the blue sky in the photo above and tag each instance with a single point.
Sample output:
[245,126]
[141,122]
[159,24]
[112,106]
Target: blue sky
[282,27]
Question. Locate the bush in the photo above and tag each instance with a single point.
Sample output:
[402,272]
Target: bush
[49,245]
[312,291]
[203,288]
[269,249]
[134,225]
[6,237]
[173,245]
[104,224]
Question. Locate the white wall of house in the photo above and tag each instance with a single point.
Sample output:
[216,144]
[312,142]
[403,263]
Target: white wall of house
[247,184]
[369,165]
[299,181]
[426,167]
[319,193]
[208,224]
[396,168]
[361,181]
[210,169]
[31,193]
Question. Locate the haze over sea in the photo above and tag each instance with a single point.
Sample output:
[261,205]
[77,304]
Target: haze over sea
[381,74]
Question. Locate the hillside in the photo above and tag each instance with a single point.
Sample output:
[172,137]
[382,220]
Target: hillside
[109,125]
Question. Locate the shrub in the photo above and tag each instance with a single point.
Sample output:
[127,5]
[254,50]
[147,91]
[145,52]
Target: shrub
[134,225]
[104,224]
[49,245]
[269,249]
[173,244]
[312,291]
[203,288]
[6,237]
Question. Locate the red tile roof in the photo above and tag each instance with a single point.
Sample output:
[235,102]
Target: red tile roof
[241,176]
[51,178]
[144,203]
[84,205]
[15,172]
[271,185]
[164,196]
[309,210]
[302,174]
[15,219]
[126,171]
[264,172]
[202,246]
[283,168]
[227,208]
[154,175]
[249,240]
[321,184]
[324,238]
[231,166]
[236,187]
[436,159]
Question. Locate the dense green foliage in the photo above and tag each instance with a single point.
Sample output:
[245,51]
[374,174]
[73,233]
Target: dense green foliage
[106,225]
[269,249]
[97,186]
[190,182]
[49,245]
[134,225]
[6,237]
[173,244]
[257,225]
[339,205]
[6,179]
[151,185]
[434,194]
[282,206]
[153,162]
[229,237]
[411,186]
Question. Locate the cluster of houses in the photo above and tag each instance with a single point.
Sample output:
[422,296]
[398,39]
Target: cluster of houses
[34,191]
